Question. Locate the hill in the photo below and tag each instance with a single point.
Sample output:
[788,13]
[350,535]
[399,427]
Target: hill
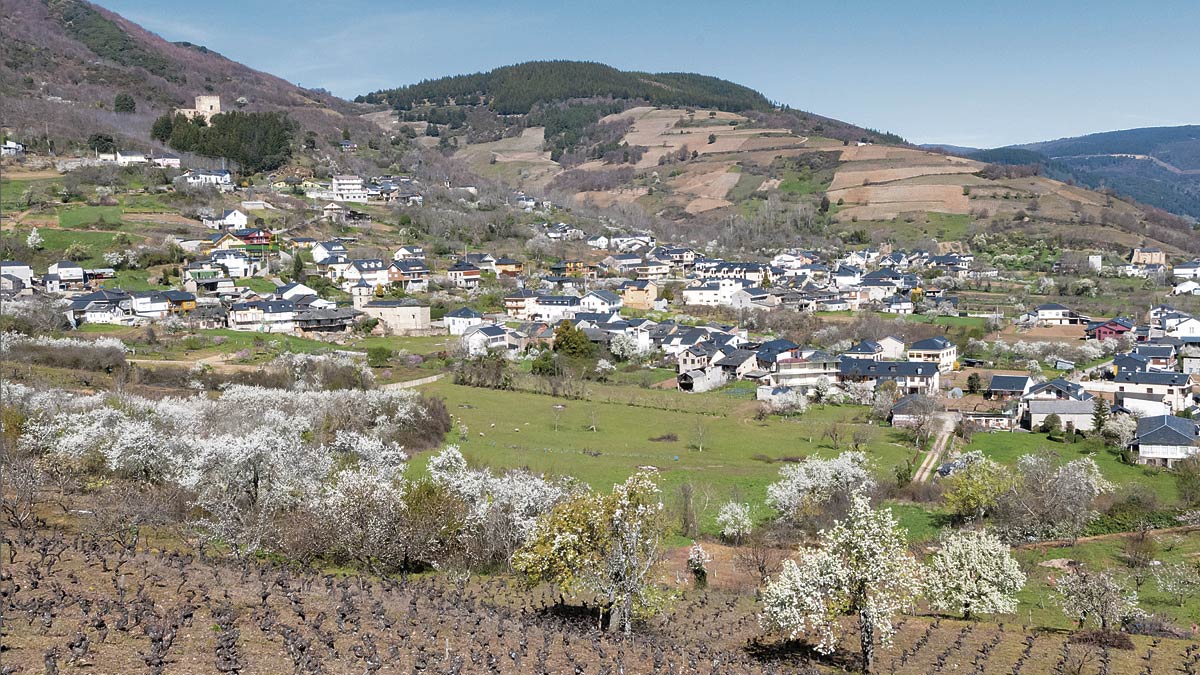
[63,62]
[516,89]
[1158,166]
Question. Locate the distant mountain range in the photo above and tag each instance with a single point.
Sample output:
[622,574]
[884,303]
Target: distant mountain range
[1159,166]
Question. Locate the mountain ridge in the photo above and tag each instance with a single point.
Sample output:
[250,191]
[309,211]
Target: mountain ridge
[1158,166]
[63,61]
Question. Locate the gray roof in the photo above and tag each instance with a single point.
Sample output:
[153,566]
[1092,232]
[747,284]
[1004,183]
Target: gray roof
[1167,430]
[1008,383]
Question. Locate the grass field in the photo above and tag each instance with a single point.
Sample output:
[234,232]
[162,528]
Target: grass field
[83,216]
[940,226]
[1006,448]
[1036,603]
[56,241]
[739,458]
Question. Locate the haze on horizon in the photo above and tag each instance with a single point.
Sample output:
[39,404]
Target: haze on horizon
[943,72]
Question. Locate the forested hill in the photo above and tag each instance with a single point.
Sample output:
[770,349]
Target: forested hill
[516,89]
[1178,147]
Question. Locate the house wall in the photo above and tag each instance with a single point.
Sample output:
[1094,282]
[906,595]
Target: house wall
[1165,455]
[400,320]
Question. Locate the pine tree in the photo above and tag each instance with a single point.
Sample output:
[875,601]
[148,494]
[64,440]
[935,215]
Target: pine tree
[1099,414]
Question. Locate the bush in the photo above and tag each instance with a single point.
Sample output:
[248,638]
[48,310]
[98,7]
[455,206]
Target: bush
[1106,639]
[378,357]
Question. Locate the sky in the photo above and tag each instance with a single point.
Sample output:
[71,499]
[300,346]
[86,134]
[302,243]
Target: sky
[962,72]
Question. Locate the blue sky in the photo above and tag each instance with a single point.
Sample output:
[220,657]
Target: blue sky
[961,72]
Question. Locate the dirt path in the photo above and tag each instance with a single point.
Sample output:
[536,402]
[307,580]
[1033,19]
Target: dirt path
[934,456]
[219,363]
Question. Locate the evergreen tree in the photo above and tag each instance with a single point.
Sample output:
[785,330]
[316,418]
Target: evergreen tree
[124,103]
[572,342]
[161,129]
[1099,414]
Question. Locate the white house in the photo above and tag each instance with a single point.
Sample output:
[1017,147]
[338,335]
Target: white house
[1187,270]
[19,270]
[598,241]
[199,177]
[232,220]
[481,339]
[409,253]
[554,308]
[236,263]
[600,301]
[11,149]
[151,304]
[348,188]
[1189,287]
[937,350]
[1164,440]
[68,272]
[714,292]
[324,250]
[125,158]
[166,162]
[370,271]
[1053,314]
[263,316]
[461,319]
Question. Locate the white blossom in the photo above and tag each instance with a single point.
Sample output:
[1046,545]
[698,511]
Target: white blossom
[811,484]
[862,567]
[734,521]
[973,573]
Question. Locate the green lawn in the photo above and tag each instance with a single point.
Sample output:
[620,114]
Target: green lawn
[56,241]
[145,203]
[507,429]
[257,284]
[1037,597]
[1006,448]
[83,216]
[801,183]
[941,226]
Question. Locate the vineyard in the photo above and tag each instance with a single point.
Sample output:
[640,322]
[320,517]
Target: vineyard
[80,604]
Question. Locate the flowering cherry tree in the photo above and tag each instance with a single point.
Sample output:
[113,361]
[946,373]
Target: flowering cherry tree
[812,485]
[973,573]
[608,544]
[734,521]
[862,568]
[1096,597]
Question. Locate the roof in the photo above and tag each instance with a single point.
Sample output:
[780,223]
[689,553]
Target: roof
[1008,383]
[1070,389]
[1167,430]
[933,344]
[736,358]
[886,369]
[607,296]
[464,313]
[908,404]
[1066,406]
[1152,377]
[407,302]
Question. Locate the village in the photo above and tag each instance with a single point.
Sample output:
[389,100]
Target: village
[651,296]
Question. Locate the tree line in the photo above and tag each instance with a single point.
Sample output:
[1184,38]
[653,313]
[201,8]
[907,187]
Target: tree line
[518,88]
[255,141]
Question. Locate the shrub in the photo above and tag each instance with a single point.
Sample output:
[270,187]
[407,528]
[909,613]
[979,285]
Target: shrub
[378,357]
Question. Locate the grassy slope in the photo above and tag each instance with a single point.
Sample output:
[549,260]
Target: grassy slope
[518,430]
